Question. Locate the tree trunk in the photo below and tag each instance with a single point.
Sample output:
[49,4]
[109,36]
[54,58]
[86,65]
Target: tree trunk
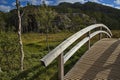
[19,36]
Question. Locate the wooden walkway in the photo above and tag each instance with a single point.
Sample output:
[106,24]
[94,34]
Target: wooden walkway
[100,62]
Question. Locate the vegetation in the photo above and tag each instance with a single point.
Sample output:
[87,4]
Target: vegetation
[100,13]
[65,18]
[51,24]
[35,48]
[116,33]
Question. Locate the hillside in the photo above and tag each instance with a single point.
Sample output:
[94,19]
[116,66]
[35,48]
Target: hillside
[103,14]
[69,17]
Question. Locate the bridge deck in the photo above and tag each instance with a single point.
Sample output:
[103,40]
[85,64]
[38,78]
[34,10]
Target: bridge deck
[102,61]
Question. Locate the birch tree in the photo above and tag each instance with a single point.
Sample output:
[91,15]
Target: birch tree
[19,36]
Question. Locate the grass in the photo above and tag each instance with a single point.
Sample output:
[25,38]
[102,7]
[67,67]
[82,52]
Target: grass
[35,49]
[116,33]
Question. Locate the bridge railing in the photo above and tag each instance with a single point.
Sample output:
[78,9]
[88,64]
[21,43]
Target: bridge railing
[58,51]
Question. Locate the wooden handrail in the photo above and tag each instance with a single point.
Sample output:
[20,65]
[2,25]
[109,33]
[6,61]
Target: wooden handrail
[81,43]
[65,44]
[58,51]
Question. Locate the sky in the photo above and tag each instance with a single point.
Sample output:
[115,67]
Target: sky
[7,5]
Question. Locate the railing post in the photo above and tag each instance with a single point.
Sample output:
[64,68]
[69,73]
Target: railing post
[100,35]
[61,67]
[89,40]
[107,36]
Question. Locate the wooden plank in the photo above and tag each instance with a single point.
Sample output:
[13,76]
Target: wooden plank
[105,66]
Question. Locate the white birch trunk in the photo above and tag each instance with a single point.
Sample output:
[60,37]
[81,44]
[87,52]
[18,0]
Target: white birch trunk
[19,36]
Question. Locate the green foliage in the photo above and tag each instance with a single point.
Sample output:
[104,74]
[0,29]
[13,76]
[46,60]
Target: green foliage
[116,33]
[7,44]
[45,16]
[35,18]
[102,14]
[8,50]
[2,21]
[35,49]
[9,57]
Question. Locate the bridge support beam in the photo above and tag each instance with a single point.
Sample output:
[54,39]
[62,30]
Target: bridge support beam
[100,35]
[89,40]
[61,67]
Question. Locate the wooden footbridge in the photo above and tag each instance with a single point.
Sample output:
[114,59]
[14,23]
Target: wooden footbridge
[100,62]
